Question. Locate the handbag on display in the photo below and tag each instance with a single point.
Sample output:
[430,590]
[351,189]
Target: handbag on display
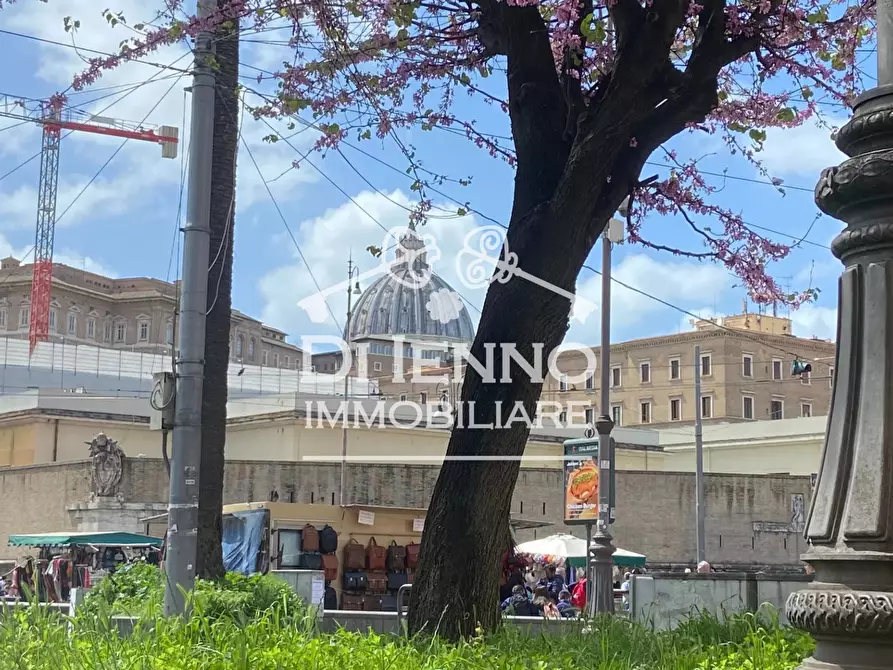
[352,602]
[354,581]
[328,540]
[310,561]
[330,567]
[377,582]
[376,556]
[354,556]
[412,555]
[396,580]
[396,557]
[309,538]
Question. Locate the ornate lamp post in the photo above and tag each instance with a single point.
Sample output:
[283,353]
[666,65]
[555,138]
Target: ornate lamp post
[849,606]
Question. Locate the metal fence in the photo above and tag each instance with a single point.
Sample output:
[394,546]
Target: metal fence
[81,368]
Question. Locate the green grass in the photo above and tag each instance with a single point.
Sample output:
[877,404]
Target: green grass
[31,639]
[257,623]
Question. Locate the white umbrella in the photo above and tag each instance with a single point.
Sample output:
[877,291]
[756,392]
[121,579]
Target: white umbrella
[569,546]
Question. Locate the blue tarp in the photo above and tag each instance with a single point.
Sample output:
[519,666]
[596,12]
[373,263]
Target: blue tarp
[242,536]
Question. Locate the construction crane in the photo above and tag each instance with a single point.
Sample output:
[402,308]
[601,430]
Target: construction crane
[54,116]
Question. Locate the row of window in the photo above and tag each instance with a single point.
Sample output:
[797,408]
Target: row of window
[111,330]
[238,348]
[776,410]
[675,369]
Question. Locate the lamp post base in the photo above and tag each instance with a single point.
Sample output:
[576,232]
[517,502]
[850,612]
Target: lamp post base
[848,609]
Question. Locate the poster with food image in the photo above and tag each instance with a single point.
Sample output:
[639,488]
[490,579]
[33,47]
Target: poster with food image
[581,482]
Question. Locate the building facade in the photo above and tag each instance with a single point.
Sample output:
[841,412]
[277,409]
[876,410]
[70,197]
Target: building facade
[746,375]
[130,313]
[746,366]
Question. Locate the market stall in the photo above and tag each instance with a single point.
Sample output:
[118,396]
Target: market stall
[571,552]
[66,560]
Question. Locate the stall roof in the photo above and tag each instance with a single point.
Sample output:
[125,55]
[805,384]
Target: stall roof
[99,539]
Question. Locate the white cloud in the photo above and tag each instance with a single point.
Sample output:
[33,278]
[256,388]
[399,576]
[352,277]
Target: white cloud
[815,321]
[328,240]
[65,256]
[802,151]
[679,283]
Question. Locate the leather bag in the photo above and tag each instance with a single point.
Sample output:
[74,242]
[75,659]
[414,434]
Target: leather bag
[330,567]
[396,557]
[376,556]
[354,556]
[412,555]
[309,538]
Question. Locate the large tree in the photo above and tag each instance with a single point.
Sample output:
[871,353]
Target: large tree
[209,564]
[591,90]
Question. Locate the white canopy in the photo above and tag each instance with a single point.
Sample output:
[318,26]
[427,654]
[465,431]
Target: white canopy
[564,545]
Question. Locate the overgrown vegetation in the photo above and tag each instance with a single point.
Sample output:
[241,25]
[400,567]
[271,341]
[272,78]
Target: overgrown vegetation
[137,590]
[34,639]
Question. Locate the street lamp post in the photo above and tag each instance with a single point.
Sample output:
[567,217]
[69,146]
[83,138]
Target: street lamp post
[601,548]
[353,272]
[849,606]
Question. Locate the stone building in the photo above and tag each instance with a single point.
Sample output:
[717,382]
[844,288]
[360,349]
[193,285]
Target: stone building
[129,313]
[746,375]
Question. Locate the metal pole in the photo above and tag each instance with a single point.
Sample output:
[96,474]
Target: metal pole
[346,385]
[187,434]
[699,461]
[601,550]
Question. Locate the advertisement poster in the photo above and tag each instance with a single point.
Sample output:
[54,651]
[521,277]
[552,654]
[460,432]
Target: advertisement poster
[580,481]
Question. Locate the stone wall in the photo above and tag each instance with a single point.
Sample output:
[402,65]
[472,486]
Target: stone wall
[748,516]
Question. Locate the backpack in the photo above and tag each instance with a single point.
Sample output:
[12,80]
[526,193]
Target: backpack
[376,556]
[309,539]
[328,540]
[354,556]
[330,567]
[396,557]
[412,555]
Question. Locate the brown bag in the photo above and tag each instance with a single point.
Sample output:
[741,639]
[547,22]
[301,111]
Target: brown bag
[350,602]
[330,567]
[354,556]
[396,557]
[376,582]
[412,555]
[371,603]
[309,539]
[376,557]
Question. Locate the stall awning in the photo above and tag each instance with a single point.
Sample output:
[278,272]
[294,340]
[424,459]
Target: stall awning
[99,539]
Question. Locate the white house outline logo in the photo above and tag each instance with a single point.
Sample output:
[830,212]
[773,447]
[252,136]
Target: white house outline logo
[477,266]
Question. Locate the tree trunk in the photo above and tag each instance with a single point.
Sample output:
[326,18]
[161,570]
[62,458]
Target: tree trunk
[214,394]
[456,587]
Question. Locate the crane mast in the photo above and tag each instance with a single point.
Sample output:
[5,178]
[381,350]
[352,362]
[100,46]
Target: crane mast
[54,117]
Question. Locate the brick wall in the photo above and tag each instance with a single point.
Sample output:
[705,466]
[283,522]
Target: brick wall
[655,510]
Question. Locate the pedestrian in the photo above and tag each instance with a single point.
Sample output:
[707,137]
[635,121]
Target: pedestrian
[542,604]
[517,604]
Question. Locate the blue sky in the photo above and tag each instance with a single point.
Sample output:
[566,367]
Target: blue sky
[124,222]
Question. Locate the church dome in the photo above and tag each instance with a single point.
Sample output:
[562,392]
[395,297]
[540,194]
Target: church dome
[410,300]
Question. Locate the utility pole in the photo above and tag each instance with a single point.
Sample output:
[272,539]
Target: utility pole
[699,462]
[353,271]
[182,529]
[601,549]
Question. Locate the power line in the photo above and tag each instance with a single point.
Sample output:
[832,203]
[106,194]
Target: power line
[115,153]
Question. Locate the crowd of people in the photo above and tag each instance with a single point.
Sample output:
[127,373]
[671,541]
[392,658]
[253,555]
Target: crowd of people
[547,596]
[542,591]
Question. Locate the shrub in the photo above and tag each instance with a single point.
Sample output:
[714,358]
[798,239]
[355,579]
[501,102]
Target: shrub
[137,589]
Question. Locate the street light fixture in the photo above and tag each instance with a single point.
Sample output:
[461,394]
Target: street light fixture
[601,549]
